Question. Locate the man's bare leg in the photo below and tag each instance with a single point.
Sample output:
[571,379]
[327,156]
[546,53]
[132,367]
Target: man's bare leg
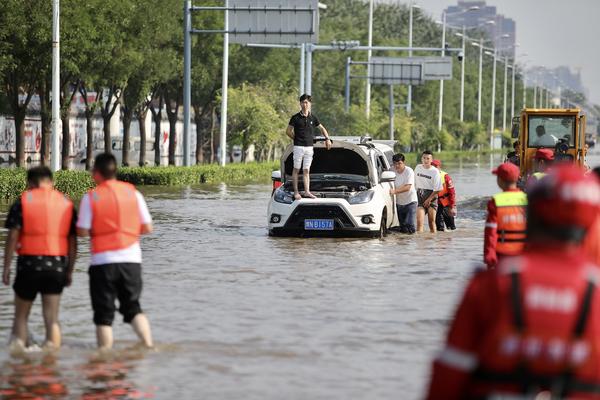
[141,326]
[420,218]
[19,330]
[306,178]
[431,219]
[104,336]
[295,172]
[50,306]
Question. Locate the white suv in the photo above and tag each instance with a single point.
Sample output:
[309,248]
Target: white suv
[352,182]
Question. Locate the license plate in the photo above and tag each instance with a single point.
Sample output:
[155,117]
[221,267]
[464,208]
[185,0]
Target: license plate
[318,224]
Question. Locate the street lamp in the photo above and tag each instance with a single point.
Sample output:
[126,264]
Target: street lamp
[410,43]
[369,54]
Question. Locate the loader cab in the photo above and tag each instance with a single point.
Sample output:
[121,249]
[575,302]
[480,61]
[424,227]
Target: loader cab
[561,130]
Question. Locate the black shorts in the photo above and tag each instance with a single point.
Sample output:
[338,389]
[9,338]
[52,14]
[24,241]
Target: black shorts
[43,274]
[422,195]
[109,282]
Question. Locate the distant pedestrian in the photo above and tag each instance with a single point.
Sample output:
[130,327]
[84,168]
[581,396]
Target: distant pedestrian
[515,156]
[406,195]
[41,229]
[115,214]
[428,183]
[301,130]
[446,211]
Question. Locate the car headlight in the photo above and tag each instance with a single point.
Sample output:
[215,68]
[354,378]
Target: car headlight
[361,197]
[281,196]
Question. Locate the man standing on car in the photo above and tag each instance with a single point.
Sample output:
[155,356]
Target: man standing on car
[301,130]
[406,195]
[428,183]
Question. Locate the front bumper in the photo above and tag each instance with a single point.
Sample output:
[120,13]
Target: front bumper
[347,218]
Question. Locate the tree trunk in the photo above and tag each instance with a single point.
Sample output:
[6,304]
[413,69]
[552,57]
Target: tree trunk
[127,117]
[46,123]
[157,117]
[19,137]
[142,122]
[106,130]
[66,140]
[172,136]
[199,135]
[89,130]
[213,123]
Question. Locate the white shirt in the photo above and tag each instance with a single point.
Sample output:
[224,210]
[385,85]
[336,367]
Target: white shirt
[428,178]
[131,254]
[546,140]
[406,177]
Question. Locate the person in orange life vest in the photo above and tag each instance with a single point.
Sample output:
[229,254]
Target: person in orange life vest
[446,210]
[505,224]
[41,229]
[532,324]
[114,215]
[591,243]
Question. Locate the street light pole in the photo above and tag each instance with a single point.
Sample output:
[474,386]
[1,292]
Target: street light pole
[187,66]
[410,43]
[55,151]
[223,137]
[480,80]
[302,67]
[369,53]
[493,116]
[512,92]
[462,77]
[505,90]
[391,112]
[441,105]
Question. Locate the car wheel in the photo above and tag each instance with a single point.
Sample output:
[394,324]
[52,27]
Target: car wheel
[383,230]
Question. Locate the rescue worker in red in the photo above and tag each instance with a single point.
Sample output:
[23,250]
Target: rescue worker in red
[505,224]
[531,325]
[41,229]
[114,215]
[542,160]
[446,210]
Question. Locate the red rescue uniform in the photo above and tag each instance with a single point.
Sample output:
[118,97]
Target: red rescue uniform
[505,226]
[115,216]
[531,325]
[447,196]
[47,216]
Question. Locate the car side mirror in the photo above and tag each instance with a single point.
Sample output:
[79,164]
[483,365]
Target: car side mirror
[515,131]
[276,176]
[388,176]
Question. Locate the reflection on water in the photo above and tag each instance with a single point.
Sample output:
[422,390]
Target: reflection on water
[240,315]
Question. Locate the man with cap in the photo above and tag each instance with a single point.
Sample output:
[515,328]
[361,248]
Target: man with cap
[530,328]
[505,225]
[541,162]
[446,210]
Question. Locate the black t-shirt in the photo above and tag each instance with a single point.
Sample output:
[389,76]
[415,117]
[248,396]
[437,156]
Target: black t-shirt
[304,128]
[14,220]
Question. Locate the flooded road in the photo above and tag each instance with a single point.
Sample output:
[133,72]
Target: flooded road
[239,315]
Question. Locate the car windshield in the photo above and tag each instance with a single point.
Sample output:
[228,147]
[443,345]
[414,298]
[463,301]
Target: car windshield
[549,130]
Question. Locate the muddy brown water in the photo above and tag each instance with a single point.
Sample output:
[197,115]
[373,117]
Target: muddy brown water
[239,315]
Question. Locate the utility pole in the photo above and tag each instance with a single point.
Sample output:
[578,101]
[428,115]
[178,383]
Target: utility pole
[224,84]
[391,112]
[441,105]
[369,54]
[493,116]
[187,72]
[480,80]
[410,43]
[55,138]
[505,90]
[462,76]
[512,91]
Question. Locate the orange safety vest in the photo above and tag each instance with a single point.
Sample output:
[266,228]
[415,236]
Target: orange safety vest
[540,340]
[511,221]
[444,194]
[47,217]
[116,220]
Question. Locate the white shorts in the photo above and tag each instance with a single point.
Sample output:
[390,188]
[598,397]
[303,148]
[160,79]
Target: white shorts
[303,156]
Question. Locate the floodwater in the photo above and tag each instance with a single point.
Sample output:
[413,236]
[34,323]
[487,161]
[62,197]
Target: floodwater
[239,315]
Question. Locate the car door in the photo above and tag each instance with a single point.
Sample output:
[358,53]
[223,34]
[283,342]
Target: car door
[383,165]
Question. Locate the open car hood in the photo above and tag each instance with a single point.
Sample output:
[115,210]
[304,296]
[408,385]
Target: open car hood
[342,158]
